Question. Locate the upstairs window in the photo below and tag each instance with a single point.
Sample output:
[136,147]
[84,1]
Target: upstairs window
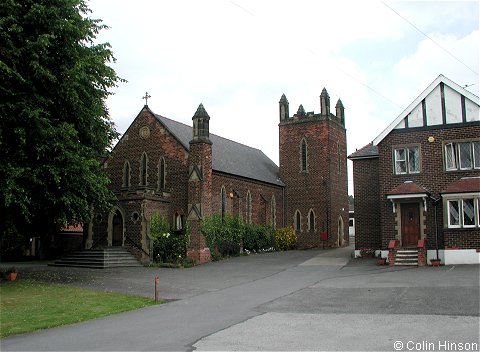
[407,160]
[462,155]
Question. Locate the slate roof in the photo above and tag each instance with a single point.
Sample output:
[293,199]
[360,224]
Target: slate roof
[368,151]
[464,185]
[408,187]
[228,156]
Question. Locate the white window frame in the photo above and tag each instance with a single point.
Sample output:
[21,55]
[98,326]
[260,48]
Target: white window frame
[460,156]
[460,199]
[475,166]
[453,150]
[450,225]
[406,160]
[475,213]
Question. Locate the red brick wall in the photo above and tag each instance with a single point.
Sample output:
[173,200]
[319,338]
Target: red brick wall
[432,176]
[200,192]
[323,187]
[201,155]
[367,197]
[159,144]
[261,209]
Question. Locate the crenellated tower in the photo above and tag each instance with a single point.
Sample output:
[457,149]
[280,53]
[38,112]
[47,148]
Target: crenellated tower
[313,165]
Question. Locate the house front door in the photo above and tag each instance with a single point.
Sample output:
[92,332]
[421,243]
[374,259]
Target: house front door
[410,224]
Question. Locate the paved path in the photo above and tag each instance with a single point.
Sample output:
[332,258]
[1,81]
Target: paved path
[278,301]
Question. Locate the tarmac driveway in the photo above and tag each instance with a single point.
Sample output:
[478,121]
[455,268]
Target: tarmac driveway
[298,300]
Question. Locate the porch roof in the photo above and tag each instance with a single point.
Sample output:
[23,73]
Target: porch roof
[407,189]
[463,185]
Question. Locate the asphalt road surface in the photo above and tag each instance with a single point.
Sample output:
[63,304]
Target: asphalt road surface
[297,300]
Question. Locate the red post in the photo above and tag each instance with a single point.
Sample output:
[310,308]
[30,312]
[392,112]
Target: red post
[156,288]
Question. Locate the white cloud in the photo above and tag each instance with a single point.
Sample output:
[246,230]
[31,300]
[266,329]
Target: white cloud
[238,57]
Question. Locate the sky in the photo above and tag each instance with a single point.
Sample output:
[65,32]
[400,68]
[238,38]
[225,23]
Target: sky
[238,57]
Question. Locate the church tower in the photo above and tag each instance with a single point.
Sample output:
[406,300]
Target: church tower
[199,184]
[313,166]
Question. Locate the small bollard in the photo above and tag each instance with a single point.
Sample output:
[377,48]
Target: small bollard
[156,288]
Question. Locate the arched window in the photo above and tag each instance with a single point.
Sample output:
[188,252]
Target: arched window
[311,220]
[223,201]
[303,155]
[126,175]
[161,173]
[249,208]
[298,221]
[143,169]
[273,212]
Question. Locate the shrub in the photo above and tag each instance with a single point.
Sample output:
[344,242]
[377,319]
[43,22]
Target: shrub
[285,238]
[223,236]
[167,247]
[258,238]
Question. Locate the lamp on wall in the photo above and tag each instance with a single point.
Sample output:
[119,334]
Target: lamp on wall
[230,195]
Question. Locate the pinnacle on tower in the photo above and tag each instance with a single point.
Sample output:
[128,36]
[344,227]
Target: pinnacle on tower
[324,103]
[283,99]
[301,111]
[340,111]
[201,125]
[200,113]
[284,113]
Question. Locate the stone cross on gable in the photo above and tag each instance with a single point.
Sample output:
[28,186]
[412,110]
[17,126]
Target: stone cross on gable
[146,97]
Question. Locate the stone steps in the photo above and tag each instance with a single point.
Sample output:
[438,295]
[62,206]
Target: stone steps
[406,257]
[112,257]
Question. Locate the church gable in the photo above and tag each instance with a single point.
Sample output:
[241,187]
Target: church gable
[154,157]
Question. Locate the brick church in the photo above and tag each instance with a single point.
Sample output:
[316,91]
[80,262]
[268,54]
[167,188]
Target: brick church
[184,173]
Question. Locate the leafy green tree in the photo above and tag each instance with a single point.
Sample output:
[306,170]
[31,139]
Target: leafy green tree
[54,80]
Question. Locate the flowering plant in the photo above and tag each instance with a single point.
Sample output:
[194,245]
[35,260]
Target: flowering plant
[167,248]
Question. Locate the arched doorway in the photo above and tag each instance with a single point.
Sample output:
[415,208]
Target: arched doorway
[340,231]
[117,229]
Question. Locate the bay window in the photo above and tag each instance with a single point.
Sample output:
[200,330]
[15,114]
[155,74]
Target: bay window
[463,213]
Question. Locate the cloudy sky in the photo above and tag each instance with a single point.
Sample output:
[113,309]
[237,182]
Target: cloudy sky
[238,57]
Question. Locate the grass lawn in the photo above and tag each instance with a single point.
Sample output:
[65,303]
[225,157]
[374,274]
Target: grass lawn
[27,305]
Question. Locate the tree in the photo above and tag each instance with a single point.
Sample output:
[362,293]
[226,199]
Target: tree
[54,80]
